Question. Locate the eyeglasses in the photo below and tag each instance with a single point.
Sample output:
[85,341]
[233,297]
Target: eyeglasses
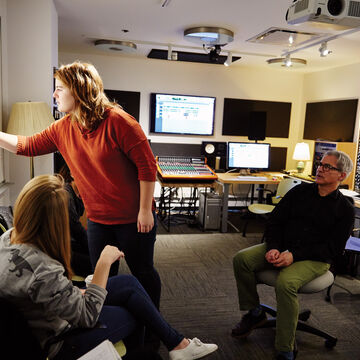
[327,167]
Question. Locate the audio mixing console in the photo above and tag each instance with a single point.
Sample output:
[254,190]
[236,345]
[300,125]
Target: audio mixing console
[184,168]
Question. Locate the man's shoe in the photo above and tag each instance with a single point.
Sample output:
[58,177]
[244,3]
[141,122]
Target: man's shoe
[283,357]
[248,323]
[195,350]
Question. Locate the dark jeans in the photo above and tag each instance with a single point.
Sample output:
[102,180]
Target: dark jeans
[137,247]
[127,306]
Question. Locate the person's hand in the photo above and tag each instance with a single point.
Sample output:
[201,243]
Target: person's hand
[110,254]
[272,255]
[284,259]
[145,221]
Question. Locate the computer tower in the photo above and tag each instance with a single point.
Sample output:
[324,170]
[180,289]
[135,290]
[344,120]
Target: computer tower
[210,210]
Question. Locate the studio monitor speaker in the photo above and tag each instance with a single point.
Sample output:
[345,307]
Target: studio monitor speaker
[213,150]
[257,125]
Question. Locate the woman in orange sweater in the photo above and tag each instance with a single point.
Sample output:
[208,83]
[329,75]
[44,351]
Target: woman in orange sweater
[112,164]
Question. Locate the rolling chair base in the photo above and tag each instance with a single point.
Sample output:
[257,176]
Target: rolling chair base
[304,315]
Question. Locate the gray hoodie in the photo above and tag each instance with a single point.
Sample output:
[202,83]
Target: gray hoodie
[36,285]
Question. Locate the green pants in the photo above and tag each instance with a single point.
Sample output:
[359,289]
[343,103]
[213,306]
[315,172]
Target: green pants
[291,278]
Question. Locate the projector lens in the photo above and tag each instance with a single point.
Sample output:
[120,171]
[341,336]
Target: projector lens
[335,7]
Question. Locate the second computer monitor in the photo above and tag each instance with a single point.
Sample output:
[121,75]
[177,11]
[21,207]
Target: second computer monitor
[253,156]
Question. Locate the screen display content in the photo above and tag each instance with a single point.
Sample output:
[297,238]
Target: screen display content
[248,156]
[182,114]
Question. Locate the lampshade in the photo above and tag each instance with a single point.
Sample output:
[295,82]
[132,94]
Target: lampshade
[29,118]
[302,152]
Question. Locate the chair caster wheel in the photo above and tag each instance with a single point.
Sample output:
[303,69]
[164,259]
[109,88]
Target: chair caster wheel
[330,343]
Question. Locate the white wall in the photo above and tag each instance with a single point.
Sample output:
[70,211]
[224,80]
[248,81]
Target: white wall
[32,53]
[149,75]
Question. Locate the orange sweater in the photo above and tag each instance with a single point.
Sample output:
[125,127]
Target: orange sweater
[106,164]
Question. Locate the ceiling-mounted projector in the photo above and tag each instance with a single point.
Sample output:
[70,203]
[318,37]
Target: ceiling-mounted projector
[344,13]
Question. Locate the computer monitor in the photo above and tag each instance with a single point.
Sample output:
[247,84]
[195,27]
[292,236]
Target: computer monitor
[253,156]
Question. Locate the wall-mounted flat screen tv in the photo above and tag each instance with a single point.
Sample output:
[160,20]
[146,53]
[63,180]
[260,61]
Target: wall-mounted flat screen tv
[128,100]
[237,117]
[182,114]
[331,120]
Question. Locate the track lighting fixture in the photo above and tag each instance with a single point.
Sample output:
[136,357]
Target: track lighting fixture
[324,50]
[287,61]
[165,3]
[228,61]
[215,53]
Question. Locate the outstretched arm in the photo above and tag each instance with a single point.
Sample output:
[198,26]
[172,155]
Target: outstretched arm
[8,141]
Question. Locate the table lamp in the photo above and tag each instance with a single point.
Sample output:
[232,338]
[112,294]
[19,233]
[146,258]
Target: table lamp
[29,118]
[302,154]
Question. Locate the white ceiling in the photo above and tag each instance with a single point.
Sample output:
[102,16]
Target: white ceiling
[150,25]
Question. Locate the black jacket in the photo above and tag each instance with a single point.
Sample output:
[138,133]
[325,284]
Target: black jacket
[310,226]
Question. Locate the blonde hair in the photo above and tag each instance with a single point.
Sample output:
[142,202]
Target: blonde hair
[86,86]
[41,218]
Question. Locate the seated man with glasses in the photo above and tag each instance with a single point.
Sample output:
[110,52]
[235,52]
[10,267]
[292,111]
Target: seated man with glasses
[306,231]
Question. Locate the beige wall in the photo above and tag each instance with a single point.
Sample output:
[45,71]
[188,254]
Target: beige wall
[31,55]
[335,84]
[148,75]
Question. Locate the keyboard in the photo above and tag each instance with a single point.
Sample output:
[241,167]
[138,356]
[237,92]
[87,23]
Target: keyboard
[251,178]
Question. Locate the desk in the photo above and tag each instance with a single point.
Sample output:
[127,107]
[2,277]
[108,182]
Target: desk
[228,179]
[165,206]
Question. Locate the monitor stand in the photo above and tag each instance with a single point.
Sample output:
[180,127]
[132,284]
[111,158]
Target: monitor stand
[244,172]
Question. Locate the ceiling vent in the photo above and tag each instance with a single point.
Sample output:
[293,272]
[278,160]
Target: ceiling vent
[190,57]
[114,45]
[284,37]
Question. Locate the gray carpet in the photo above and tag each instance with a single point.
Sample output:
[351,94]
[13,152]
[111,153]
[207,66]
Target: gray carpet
[199,299]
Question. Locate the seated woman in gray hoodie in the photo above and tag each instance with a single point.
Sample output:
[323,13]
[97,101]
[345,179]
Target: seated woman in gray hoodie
[68,321]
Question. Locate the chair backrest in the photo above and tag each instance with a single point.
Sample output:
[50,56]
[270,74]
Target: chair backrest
[284,186]
[16,337]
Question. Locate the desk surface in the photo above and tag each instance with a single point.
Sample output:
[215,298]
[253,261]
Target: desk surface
[234,178]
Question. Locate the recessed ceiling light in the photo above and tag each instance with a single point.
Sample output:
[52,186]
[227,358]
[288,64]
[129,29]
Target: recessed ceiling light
[114,45]
[287,62]
[209,35]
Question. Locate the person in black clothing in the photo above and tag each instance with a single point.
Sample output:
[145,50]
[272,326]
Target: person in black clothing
[306,231]
[80,259]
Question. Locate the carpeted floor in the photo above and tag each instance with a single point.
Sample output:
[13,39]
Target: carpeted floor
[199,299]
